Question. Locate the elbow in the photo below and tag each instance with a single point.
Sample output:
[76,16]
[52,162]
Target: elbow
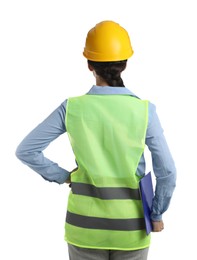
[173,177]
[19,153]
[172,182]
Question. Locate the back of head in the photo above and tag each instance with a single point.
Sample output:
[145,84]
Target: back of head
[110,72]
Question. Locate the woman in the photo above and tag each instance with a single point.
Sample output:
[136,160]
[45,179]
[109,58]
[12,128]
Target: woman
[108,129]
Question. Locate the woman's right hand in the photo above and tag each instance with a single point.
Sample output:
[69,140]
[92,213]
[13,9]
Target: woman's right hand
[69,180]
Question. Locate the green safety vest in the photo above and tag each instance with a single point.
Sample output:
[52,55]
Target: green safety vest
[107,134]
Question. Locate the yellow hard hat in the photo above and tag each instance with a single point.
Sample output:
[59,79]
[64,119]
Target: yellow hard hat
[107,41]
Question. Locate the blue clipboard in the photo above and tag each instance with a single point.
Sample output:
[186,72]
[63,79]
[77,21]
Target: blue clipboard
[147,194]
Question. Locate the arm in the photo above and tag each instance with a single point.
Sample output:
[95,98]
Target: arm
[163,168]
[30,150]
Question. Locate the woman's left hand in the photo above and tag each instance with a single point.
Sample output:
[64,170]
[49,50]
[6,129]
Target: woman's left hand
[158,226]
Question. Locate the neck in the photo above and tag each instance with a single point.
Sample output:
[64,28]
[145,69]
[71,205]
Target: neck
[100,82]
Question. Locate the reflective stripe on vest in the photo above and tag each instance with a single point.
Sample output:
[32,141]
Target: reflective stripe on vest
[107,135]
[104,223]
[105,193]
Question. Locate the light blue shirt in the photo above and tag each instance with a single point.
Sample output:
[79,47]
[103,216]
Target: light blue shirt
[30,150]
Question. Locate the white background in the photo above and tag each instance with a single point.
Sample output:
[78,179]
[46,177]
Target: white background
[41,64]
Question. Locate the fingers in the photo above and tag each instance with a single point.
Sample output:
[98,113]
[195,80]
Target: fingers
[68,181]
[158,226]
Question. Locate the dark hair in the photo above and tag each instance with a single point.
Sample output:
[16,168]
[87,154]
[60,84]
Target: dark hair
[110,71]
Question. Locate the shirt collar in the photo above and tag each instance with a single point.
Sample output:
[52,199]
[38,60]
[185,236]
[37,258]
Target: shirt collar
[106,90]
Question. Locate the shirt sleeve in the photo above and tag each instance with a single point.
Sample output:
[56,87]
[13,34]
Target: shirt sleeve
[163,165]
[30,150]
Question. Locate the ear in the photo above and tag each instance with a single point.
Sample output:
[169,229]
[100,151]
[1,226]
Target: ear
[124,67]
[90,67]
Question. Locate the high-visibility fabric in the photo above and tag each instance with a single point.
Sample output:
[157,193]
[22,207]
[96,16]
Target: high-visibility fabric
[107,134]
